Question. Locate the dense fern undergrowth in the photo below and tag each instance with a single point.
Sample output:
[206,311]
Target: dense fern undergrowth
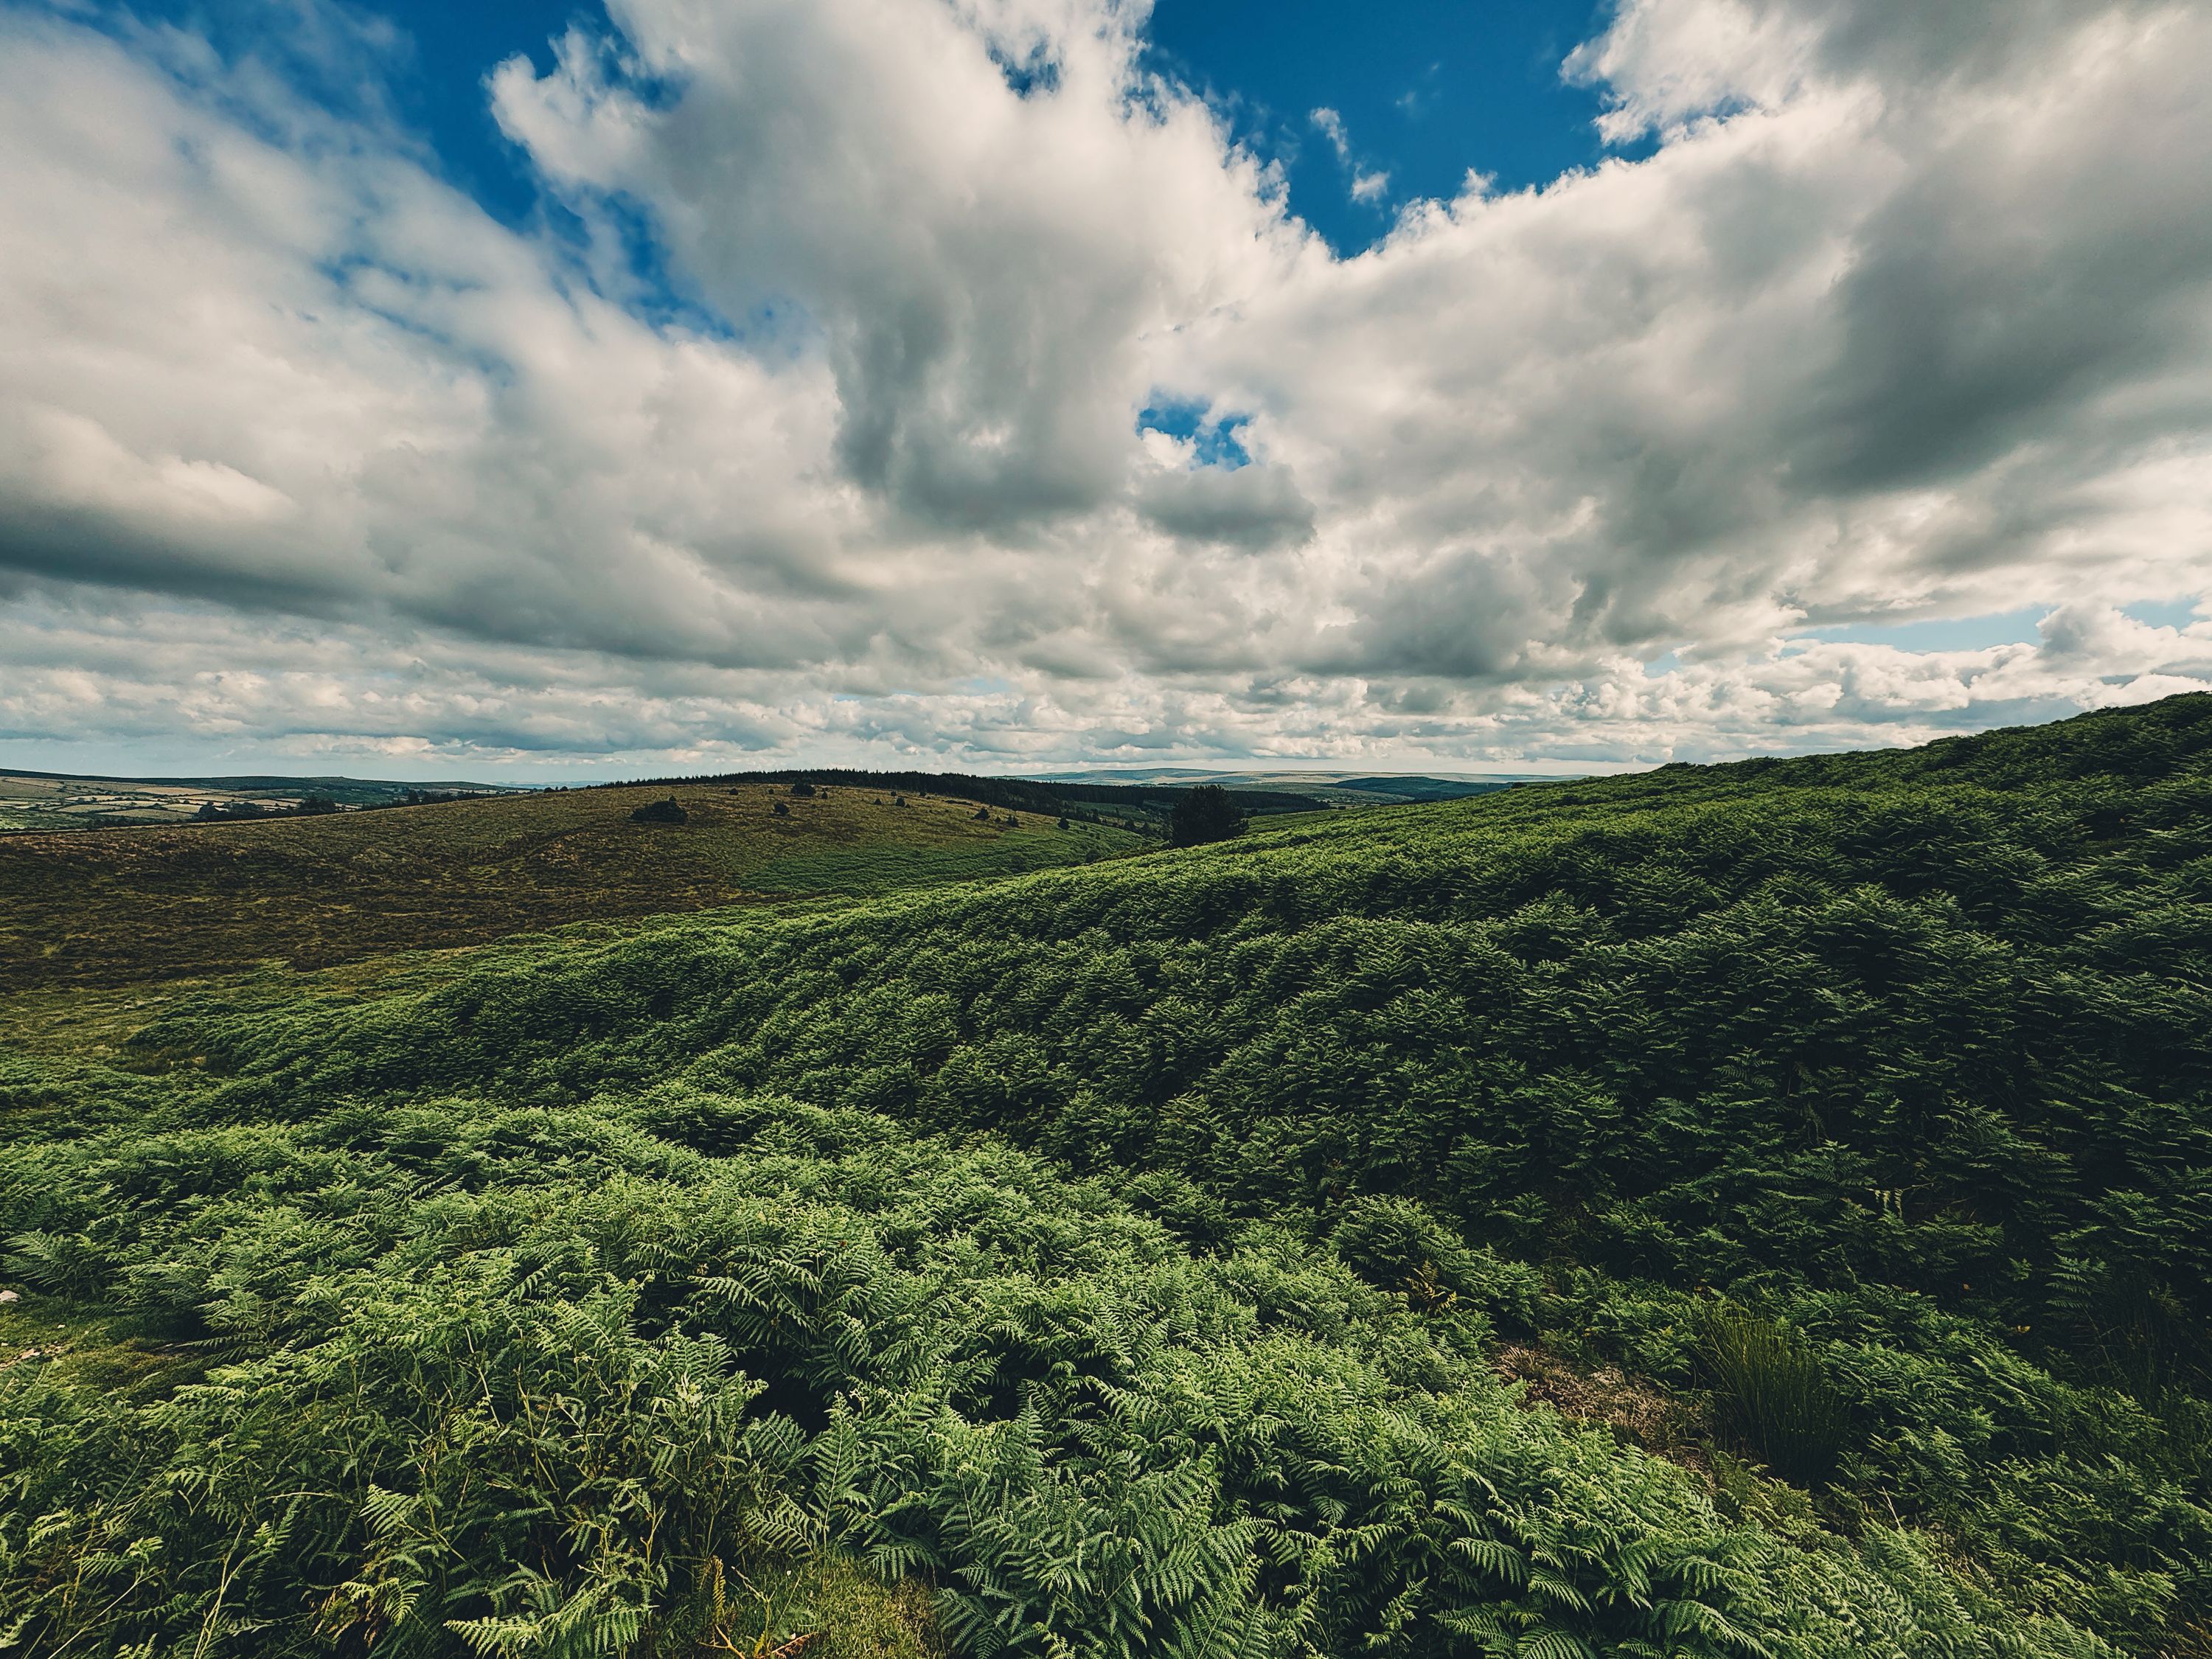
[1133,1257]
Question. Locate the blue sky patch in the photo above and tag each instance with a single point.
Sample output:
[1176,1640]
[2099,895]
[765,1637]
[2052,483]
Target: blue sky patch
[1939,634]
[2167,613]
[1036,73]
[1215,440]
[1422,93]
[421,65]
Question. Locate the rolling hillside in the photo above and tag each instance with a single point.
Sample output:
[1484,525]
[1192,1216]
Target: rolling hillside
[60,800]
[114,906]
[1760,1210]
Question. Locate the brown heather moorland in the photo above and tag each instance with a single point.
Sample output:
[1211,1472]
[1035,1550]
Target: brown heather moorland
[123,905]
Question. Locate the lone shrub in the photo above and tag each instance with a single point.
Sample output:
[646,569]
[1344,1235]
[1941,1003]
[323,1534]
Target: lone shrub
[803,790]
[1770,1392]
[660,812]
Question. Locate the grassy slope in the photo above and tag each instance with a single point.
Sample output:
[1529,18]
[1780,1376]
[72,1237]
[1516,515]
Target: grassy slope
[1902,1058]
[114,906]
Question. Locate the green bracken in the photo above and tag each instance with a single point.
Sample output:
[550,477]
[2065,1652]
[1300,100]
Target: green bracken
[1119,1259]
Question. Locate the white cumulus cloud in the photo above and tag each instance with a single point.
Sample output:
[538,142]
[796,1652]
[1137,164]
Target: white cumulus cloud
[1908,314]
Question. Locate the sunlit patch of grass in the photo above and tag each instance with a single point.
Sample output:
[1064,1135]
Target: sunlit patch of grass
[103,1352]
[828,1607]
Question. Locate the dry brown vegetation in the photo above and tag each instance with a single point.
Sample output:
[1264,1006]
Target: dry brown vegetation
[1638,1411]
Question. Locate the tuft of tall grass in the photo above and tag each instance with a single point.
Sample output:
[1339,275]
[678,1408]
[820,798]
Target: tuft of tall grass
[1770,1392]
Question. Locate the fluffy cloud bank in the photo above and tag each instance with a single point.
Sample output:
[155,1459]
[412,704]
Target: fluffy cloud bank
[1908,314]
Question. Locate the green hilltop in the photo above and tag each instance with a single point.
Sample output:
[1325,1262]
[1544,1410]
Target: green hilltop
[1754,1210]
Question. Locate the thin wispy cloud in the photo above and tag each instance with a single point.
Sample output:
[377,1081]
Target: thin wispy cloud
[1367,185]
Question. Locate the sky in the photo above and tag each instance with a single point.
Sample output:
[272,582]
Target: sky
[545,391]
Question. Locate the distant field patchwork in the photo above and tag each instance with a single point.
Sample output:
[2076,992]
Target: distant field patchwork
[51,800]
[29,801]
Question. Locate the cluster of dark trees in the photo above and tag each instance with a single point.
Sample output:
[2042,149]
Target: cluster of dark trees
[318,805]
[1208,812]
[230,811]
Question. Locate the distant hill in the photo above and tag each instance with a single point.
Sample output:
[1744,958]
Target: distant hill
[1328,788]
[66,800]
[1143,807]
[1138,800]
[157,901]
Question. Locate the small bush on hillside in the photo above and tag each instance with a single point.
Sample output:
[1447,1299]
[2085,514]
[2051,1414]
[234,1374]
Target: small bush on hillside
[1770,1392]
[781,810]
[660,812]
[803,790]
